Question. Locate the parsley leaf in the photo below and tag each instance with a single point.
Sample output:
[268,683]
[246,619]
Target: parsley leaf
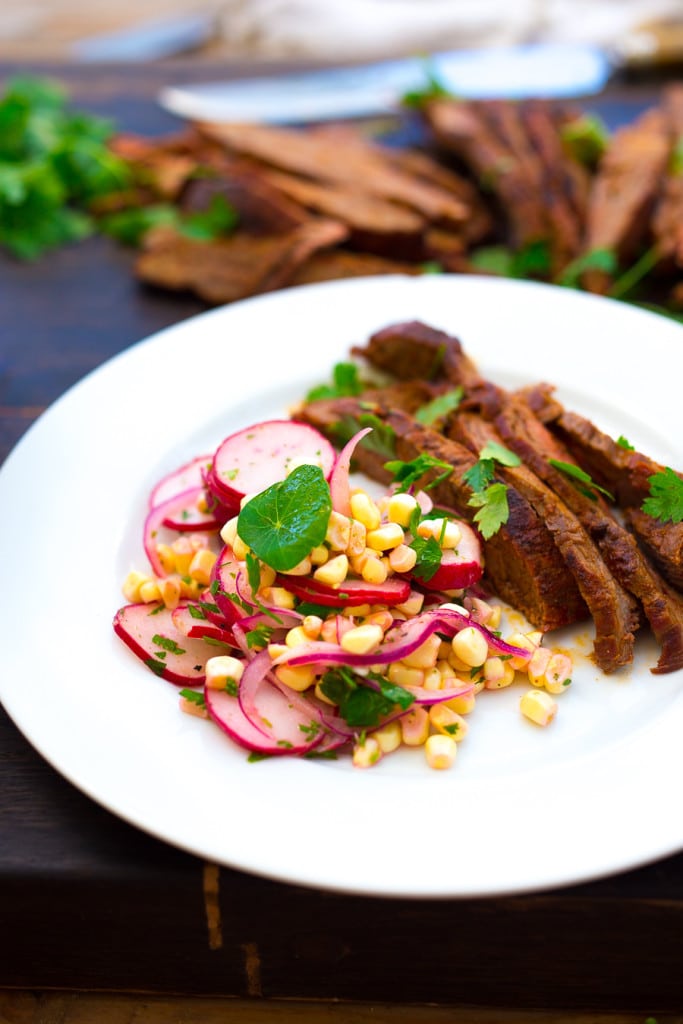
[624,443]
[259,636]
[131,226]
[586,138]
[439,407]
[359,704]
[666,497]
[597,259]
[533,260]
[408,473]
[345,383]
[494,511]
[194,697]
[382,440]
[429,555]
[283,523]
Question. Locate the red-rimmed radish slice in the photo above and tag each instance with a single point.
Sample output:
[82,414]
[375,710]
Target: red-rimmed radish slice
[223,588]
[281,714]
[225,501]
[155,525]
[461,566]
[190,620]
[187,517]
[349,593]
[340,489]
[213,613]
[149,631]
[254,458]
[182,479]
[226,712]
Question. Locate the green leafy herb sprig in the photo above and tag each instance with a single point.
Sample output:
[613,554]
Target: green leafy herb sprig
[53,162]
[665,502]
[361,705]
[489,498]
[130,226]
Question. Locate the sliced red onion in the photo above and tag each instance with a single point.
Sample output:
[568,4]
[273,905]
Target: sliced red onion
[198,626]
[223,587]
[340,489]
[289,724]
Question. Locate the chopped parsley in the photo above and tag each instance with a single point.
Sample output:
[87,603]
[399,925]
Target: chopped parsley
[359,704]
[582,481]
[429,556]
[439,407]
[259,636]
[408,473]
[194,697]
[382,440]
[167,644]
[345,383]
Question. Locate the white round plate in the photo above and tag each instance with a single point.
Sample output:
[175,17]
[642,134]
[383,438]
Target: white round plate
[524,808]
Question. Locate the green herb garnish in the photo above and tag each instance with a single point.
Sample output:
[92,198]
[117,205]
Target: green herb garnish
[665,502]
[429,556]
[283,523]
[582,480]
[360,705]
[493,509]
[624,443]
[259,636]
[382,440]
[167,644]
[345,383]
[439,407]
[604,260]
[586,138]
[408,473]
[194,697]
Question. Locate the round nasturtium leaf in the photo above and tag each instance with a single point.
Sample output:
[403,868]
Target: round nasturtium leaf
[287,520]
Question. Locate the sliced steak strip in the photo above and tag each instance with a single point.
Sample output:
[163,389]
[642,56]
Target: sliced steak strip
[613,611]
[663,542]
[522,563]
[335,264]
[667,222]
[227,269]
[663,608]
[625,190]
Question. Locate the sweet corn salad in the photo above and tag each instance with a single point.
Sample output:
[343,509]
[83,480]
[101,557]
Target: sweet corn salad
[304,616]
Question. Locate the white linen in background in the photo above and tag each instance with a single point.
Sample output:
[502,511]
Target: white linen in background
[338,30]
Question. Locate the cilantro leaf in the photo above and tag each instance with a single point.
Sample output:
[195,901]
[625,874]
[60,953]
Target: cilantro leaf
[130,226]
[494,511]
[259,636]
[382,440]
[624,443]
[345,383]
[533,260]
[480,475]
[586,138]
[283,523]
[665,502]
[579,477]
[597,259]
[408,473]
[359,704]
[429,555]
[194,697]
[439,407]
[499,453]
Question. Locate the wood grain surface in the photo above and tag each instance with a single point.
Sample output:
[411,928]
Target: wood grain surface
[91,904]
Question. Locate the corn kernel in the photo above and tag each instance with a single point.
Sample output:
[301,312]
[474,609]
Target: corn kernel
[412,605]
[403,675]
[201,566]
[374,570]
[385,537]
[329,631]
[169,589]
[440,751]
[297,677]
[357,537]
[229,531]
[183,554]
[190,707]
[470,646]
[415,727]
[132,584]
[538,706]
[497,674]
[382,618]
[333,571]
[275,650]
[365,510]
[338,530]
[433,679]
[311,626]
[319,555]
[480,611]
[302,568]
[191,588]
[166,558]
[278,596]
[537,666]
[425,655]
[463,705]
[447,721]
[494,618]
[400,508]
[267,575]
[402,558]
[239,549]
[362,639]
[366,754]
[296,636]
[224,673]
[445,531]
[557,673]
[149,591]
[388,737]
[527,644]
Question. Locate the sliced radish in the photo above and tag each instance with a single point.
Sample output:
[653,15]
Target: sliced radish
[340,489]
[153,531]
[213,613]
[225,501]
[223,588]
[280,714]
[186,517]
[151,634]
[182,479]
[251,460]
[460,567]
[190,619]
[349,593]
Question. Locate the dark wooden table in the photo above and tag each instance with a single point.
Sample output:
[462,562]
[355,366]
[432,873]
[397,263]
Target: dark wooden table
[90,903]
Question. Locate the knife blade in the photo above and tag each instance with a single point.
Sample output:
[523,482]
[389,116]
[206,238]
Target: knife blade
[518,72]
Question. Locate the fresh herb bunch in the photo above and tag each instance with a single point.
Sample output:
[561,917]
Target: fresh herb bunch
[53,162]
